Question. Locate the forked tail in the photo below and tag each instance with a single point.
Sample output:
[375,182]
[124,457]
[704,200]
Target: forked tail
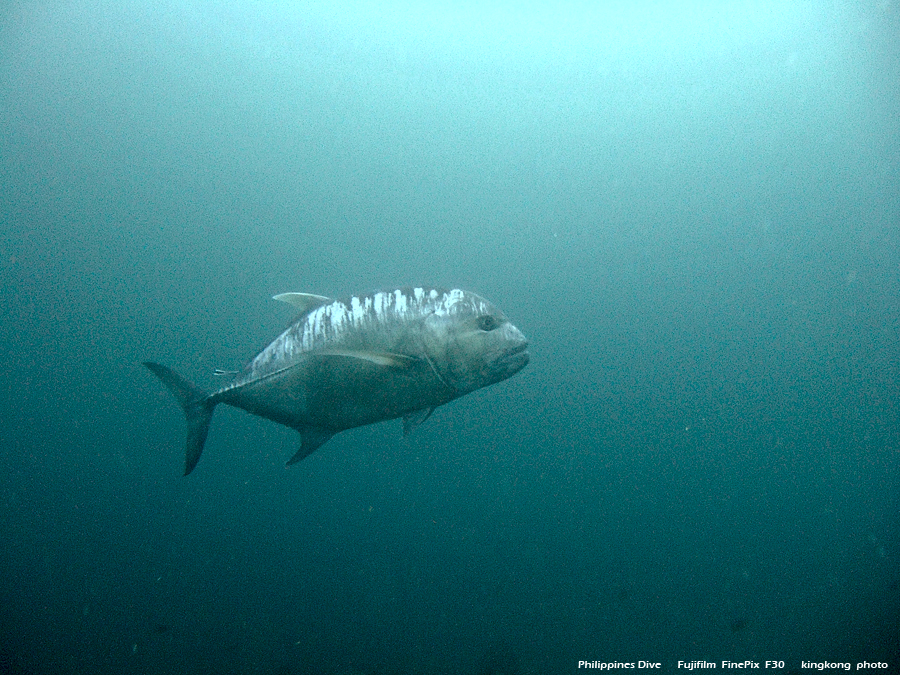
[198,409]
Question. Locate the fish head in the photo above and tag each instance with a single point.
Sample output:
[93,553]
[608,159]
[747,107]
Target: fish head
[472,344]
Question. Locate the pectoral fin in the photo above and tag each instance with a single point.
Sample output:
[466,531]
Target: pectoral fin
[353,388]
[384,359]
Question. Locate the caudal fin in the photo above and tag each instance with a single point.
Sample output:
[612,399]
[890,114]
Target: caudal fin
[198,409]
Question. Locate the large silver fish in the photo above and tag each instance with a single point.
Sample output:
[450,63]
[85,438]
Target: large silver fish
[345,363]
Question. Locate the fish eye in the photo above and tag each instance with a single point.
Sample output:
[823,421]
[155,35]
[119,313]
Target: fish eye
[487,322]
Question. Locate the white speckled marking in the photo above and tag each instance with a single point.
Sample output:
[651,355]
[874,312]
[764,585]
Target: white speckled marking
[450,299]
[337,322]
[400,301]
[358,309]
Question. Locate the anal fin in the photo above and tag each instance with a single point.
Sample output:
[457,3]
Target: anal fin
[311,439]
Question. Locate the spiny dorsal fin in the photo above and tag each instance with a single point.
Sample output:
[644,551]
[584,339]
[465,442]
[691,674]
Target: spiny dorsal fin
[302,301]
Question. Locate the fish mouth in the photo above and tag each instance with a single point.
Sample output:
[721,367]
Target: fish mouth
[516,358]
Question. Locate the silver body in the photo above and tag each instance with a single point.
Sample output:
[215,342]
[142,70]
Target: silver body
[364,359]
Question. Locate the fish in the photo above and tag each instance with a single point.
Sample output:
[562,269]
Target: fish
[364,359]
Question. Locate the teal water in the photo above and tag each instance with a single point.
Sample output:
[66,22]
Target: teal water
[690,208]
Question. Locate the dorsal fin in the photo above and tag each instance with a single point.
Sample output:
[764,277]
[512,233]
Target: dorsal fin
[302,301]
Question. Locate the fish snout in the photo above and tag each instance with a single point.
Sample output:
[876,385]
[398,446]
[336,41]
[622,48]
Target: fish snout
[515,356]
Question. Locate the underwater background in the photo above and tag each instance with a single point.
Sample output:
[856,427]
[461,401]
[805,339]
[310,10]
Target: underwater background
[692,210]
